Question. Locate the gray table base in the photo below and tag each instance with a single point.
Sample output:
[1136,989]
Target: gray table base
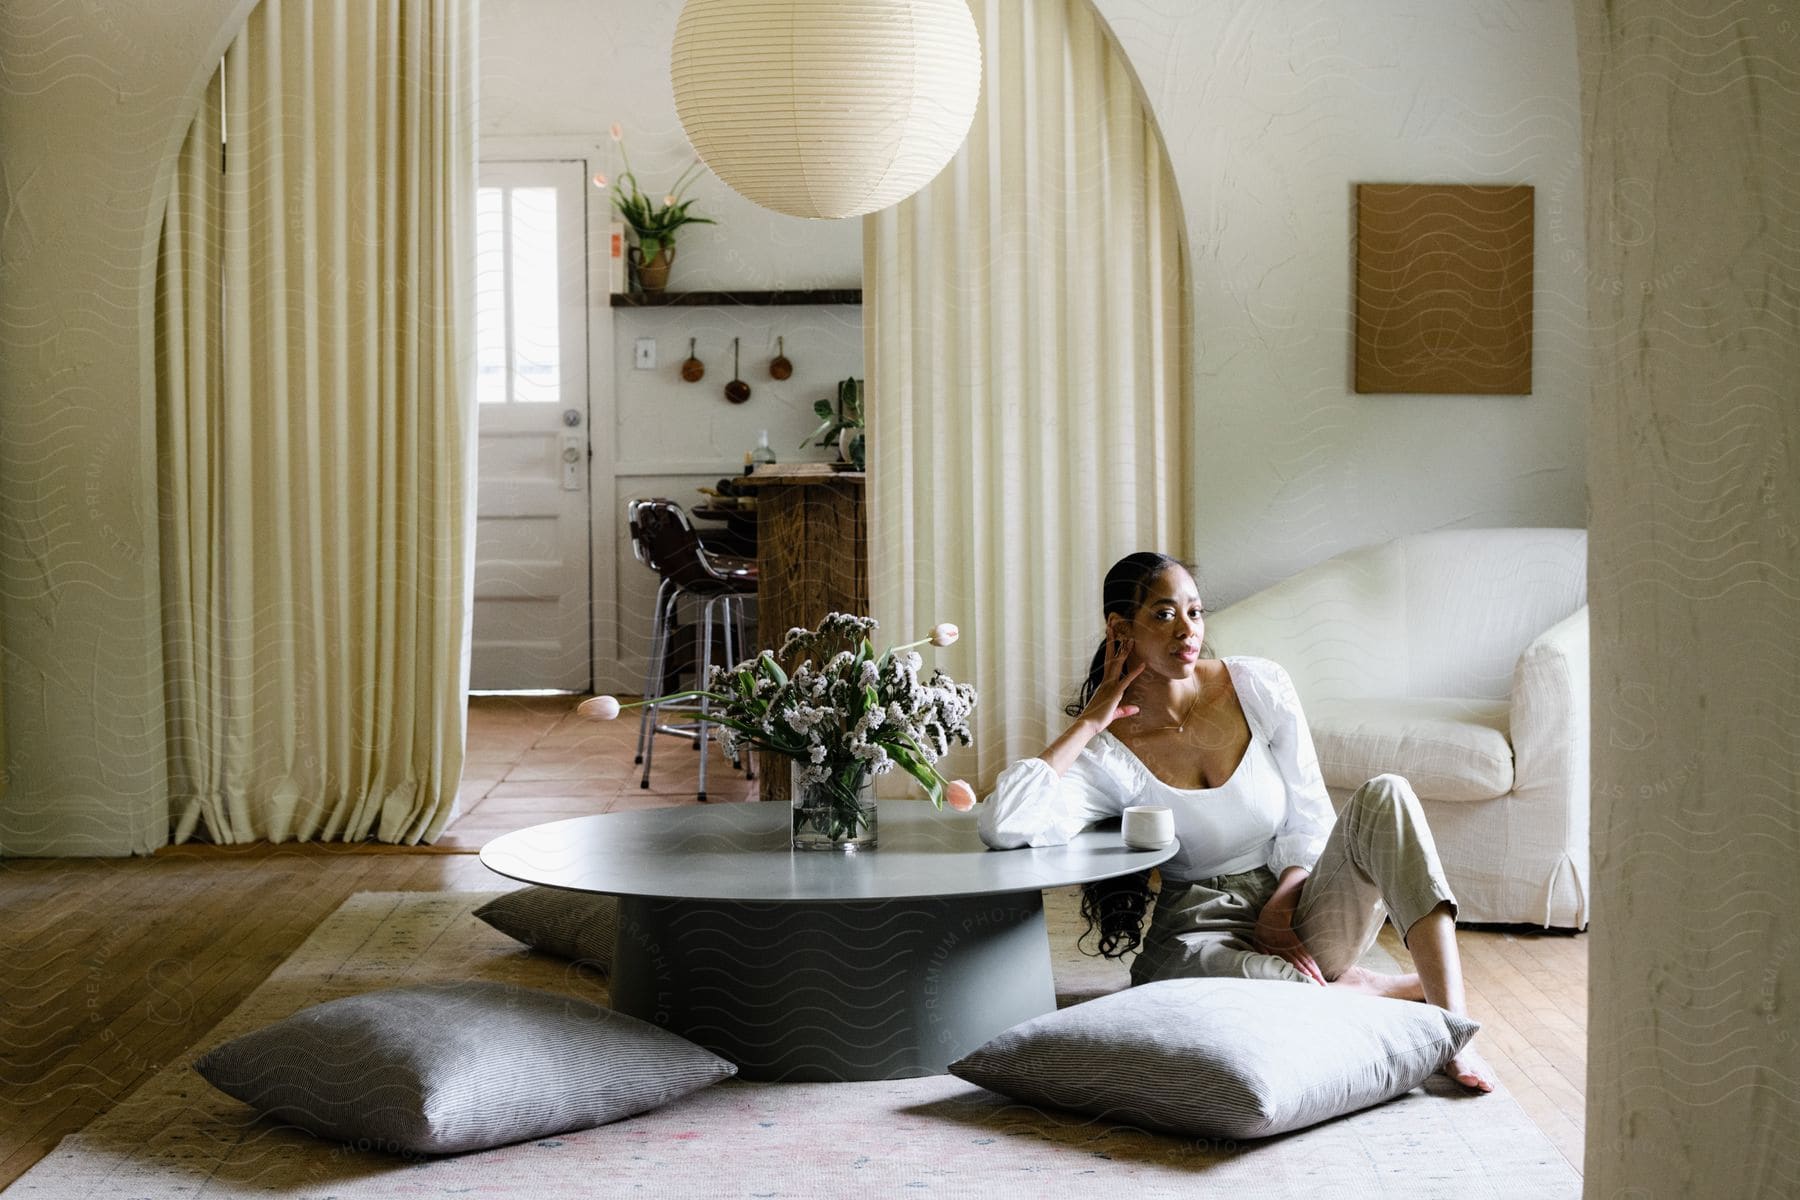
[795,991]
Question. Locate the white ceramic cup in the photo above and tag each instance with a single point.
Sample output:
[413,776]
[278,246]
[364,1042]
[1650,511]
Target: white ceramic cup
[1147,827]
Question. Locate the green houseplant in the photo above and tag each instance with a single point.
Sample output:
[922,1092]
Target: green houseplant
[842,422]
[653,225]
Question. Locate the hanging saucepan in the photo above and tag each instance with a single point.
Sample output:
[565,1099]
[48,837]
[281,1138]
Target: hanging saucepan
[779,366]
[737,391]
[693,369]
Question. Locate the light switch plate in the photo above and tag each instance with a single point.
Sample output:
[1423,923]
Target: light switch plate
[646,354]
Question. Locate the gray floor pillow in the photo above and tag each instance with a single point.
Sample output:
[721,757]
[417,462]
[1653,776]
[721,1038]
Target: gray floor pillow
[1234,1058]
[444,1068]
[574,925]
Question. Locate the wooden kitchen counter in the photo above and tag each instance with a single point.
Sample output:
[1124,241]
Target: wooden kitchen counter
[812,558]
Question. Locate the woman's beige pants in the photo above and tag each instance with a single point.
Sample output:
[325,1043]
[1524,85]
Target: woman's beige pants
[1379,860]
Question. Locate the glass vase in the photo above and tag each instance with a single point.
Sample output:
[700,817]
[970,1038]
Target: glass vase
[837,813]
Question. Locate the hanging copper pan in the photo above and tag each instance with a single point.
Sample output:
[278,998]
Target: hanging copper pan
[737,391]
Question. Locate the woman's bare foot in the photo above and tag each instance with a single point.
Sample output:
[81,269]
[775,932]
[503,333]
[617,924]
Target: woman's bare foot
[1472,1071]
[1373,983]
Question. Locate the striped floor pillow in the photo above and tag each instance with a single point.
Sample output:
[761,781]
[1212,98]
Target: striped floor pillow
[1231,1058]
[573,925]
[445,1068]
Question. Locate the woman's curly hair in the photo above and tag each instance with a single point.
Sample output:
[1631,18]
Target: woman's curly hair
[1114,911]
[1114,908]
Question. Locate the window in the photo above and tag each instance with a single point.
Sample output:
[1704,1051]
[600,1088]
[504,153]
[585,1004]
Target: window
[516,297]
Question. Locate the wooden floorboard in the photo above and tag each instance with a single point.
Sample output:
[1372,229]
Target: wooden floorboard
[112,968]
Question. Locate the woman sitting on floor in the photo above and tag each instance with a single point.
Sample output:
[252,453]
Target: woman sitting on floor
[1266,885]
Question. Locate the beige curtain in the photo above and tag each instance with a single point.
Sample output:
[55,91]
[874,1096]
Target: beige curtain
[1027,350]
[315,424]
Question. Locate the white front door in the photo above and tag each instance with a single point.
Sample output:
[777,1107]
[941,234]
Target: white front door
[531,543]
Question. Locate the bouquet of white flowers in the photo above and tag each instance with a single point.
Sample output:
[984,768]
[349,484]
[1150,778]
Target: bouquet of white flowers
[842,713]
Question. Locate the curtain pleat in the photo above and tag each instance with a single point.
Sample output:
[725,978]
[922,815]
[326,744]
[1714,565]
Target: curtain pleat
[317,559]
[188,367]
[1027,350]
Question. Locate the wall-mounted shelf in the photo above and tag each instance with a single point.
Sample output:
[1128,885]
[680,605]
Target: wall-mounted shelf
[704,299]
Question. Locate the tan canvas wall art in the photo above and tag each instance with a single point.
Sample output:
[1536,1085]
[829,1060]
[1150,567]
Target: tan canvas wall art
[1443,289]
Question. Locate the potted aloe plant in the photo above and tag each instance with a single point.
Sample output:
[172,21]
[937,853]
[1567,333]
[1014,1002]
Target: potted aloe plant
[653,225]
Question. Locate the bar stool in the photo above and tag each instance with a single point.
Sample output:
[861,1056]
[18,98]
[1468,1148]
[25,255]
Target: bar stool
[663,539]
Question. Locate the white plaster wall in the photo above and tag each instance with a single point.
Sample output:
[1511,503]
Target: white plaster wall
[1271,113]
[673,436]
[555,75]
[1692,443]
[1694,220]
[574,67]
[94,100]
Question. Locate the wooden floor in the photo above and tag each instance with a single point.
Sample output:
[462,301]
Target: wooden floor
[110,968]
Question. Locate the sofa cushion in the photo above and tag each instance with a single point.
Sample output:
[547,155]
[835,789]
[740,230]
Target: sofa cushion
[1235,1058]
[1475,598]
[1447,749]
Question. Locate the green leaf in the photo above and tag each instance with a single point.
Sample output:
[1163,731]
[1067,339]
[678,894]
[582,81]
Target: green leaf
[922,772]
[850,396]
[821,433]
[756,737]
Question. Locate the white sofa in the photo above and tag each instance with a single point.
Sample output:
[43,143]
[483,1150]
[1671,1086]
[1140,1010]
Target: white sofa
[1458,659]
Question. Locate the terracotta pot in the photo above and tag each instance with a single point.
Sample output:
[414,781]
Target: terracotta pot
[653,273]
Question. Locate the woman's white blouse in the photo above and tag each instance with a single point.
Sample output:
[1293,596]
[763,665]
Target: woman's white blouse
[1273,811]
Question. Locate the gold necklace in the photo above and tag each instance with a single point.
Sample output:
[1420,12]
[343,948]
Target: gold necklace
[1182,725]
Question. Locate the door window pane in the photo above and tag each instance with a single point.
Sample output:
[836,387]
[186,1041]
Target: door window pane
[490,297]
[517,307]
[536,366]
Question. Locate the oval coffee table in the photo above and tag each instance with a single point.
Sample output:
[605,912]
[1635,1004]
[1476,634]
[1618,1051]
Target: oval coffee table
[815,965]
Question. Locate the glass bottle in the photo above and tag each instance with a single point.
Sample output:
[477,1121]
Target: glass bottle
[763,453]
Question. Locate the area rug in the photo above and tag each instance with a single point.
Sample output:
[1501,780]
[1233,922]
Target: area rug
[176,1137]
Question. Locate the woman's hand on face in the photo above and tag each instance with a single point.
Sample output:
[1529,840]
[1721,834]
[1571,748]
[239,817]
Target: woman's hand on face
[1106,706]
[1275,935]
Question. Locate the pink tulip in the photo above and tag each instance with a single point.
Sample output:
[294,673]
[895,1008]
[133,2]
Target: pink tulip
[599,181]
[600,708]
[944,634]
[617,131]
[959,795]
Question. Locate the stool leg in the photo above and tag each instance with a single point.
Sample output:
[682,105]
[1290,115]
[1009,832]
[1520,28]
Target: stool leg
[666,616]
[728,627]
[706,624]
[749,755]
[652,685]
[702,639]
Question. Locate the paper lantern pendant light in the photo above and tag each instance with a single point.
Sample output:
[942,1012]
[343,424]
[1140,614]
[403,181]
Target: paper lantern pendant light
[826,108]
